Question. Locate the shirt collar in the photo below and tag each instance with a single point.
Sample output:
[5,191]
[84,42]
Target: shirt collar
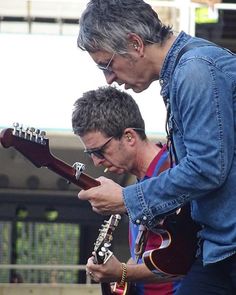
[154,162]
[169,60]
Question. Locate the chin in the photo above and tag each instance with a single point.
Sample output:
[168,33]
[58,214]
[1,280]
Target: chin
[117,171]
[137,90]
[140,88]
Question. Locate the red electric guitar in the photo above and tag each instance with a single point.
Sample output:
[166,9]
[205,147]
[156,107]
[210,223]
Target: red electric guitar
[176,251]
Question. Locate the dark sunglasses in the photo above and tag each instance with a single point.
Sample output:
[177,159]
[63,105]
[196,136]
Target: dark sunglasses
[98,152]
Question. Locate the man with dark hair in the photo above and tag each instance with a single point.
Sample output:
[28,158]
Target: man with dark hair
[112,130]
[132,47]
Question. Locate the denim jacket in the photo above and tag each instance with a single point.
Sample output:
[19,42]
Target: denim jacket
[201,92]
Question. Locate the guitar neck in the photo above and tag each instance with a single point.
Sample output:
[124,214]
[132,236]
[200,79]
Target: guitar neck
[68,172]
[36,149]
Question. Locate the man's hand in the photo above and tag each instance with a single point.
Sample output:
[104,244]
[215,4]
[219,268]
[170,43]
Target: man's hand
[111,271]
[106,198]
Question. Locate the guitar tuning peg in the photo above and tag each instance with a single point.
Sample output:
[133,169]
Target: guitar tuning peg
[15,125]
[101,253]
[37,135]
[43,133]
[21,133]
[107,245]
[27,133]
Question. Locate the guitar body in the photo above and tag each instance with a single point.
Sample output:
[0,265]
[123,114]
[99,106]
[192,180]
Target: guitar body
[127,289]
[109,289]
[106,289]
[178,245]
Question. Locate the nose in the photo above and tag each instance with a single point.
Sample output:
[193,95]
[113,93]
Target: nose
[110,77]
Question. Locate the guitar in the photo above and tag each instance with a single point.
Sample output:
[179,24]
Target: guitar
[102,245]
[175,253]
[102,254]
[33,144]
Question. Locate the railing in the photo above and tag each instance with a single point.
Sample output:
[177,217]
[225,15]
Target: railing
[68,12]
[46,267]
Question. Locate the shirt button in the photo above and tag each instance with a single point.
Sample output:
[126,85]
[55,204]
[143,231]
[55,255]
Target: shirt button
[161,81]
[144,217]
[138,221]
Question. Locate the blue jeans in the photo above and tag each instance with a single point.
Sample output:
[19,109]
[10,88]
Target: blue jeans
[214,279]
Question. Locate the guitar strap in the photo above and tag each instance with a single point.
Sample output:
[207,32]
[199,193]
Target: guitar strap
[141,240]
[169,131]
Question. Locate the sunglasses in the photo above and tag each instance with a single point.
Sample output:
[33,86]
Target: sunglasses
[107,69]
[98,152]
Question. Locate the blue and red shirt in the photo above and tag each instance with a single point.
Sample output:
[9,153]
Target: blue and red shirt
[153,239]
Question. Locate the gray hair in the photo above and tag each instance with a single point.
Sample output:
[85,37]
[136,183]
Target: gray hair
[106,25]
[107,110]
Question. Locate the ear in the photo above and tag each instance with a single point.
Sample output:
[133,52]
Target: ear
[135,43]
[130,135]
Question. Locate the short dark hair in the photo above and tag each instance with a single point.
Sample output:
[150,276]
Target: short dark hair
[107,110]
[106,24]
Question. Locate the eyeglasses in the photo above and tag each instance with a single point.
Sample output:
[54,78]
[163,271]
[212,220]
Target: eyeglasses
[98,152]
[107,69]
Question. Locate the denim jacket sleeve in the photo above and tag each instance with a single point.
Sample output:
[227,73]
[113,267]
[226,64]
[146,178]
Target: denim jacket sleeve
[202,118]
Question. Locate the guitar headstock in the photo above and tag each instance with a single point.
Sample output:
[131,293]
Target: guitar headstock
[30,142]
[103,242]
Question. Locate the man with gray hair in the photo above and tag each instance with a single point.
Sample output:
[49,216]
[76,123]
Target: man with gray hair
[129,43]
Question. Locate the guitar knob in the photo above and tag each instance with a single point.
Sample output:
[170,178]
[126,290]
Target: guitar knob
[43,133]
[103,249]
[21,133]
[27,133]
[15,125]
[101,254]
[107,245]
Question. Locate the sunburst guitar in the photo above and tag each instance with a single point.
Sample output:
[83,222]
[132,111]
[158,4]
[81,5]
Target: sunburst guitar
[176,251]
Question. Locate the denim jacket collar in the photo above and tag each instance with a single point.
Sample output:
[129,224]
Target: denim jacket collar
[169,62]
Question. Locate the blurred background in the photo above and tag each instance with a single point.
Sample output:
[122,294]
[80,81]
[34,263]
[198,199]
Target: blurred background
[46,233]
